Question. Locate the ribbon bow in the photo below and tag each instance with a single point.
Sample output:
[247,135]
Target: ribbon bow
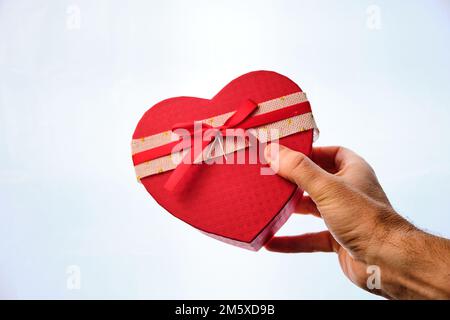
[206,132]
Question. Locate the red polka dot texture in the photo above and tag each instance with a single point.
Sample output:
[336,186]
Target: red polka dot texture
[231,202]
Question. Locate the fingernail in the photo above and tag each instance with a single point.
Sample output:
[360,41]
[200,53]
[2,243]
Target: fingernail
[271,151]
[267,152]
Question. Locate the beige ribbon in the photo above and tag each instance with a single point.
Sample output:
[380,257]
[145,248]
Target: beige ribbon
[267,133]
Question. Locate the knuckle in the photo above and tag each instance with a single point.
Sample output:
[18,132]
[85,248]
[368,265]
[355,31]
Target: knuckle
[299,165]
[298,161]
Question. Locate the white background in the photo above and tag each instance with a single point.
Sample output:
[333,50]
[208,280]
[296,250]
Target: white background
[76,76]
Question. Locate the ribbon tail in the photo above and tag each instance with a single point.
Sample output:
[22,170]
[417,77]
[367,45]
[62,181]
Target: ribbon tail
[183,167]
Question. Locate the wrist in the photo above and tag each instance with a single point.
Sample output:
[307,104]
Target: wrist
[388,230]
[413,264]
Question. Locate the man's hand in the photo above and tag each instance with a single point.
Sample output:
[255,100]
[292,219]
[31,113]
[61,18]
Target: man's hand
[363,228]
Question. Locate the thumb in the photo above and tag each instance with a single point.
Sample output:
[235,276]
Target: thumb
[299,169]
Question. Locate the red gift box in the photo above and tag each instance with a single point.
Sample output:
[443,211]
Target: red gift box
[202,160]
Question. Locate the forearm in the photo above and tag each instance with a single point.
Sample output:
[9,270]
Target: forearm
[415,265]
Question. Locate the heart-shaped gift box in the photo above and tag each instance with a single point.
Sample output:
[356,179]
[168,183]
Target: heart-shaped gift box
[239,202]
